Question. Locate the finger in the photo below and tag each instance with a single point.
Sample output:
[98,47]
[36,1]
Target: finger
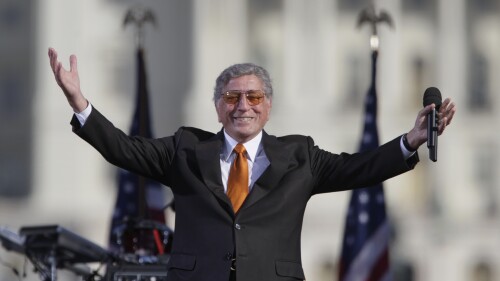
[73,64]
[447,110]
[445,104]
[451,114]
[51,52]
[57,71]
[53,59]
[442,125]
[448,103]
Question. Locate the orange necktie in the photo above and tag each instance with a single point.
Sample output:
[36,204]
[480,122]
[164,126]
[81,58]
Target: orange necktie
[237,183]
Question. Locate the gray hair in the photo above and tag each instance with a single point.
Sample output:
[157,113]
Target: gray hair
[241,69]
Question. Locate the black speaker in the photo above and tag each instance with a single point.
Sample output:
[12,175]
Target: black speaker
[134,272]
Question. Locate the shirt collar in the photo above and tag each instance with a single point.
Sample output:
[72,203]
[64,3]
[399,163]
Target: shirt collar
[251,146]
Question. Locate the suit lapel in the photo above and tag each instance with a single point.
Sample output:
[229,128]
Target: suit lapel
[208,158]
[278,165]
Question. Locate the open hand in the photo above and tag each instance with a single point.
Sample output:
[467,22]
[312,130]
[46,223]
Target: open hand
[69,81]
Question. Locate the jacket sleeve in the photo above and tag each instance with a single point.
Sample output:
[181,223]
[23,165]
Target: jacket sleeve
[147,157]
[338,172]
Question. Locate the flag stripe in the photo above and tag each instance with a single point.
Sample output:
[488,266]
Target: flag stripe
[362,265]
[381,268]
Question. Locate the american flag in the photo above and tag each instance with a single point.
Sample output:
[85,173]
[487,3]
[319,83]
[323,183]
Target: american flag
[138,198]
[365,249]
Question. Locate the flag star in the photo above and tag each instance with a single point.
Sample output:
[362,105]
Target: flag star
[363,217]
[364,198]
[367,138]
[129,187]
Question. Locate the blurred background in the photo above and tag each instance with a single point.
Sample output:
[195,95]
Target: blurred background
[445,215]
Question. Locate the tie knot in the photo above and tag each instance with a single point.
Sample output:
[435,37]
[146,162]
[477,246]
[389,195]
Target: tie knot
[239,148]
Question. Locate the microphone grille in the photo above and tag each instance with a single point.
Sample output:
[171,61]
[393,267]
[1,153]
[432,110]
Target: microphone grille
[432,95]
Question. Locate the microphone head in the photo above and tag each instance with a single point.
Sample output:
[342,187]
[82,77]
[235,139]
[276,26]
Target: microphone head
[432,95]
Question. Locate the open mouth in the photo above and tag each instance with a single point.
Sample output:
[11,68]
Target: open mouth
[243,119]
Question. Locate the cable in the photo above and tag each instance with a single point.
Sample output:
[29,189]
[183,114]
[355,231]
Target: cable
[13,268]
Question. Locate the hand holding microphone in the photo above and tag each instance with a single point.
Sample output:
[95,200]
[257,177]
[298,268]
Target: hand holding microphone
[431,121]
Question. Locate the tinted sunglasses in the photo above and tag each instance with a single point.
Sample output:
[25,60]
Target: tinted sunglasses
[254,97]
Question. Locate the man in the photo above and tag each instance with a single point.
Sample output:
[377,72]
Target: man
[224,231]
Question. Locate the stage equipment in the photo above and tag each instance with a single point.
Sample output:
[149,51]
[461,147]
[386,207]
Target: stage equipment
[11,240]
[131,272]
[144,237]
[50,247]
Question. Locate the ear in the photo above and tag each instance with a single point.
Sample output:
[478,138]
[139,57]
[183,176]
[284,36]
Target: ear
[218,111]
[269,109]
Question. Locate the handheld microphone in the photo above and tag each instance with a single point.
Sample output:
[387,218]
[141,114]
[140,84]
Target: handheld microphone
[432,96]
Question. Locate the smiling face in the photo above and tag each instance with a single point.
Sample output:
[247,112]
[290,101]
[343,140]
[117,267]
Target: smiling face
[243,121]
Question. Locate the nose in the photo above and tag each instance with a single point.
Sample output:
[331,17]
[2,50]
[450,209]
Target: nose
[243,103]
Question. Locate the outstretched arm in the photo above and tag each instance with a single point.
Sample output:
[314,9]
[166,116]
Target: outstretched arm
[418,135]
[69,81]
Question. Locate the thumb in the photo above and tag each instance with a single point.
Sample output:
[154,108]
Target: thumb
[427,109]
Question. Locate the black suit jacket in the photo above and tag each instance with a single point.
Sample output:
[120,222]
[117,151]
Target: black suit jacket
[264,236]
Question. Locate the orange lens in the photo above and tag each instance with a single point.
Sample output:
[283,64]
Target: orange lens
[231,97]
[254,98]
